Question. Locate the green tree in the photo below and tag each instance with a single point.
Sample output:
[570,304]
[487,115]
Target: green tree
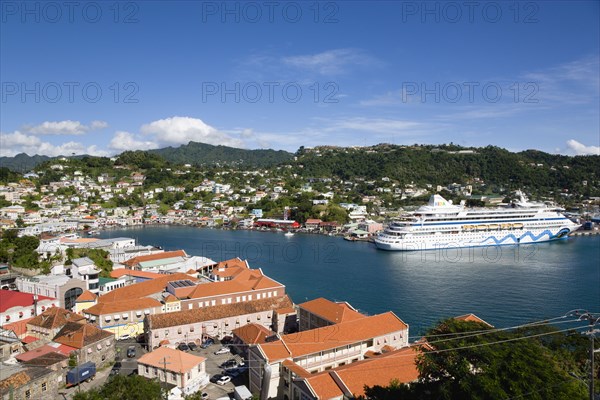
[533,362]
[119,387]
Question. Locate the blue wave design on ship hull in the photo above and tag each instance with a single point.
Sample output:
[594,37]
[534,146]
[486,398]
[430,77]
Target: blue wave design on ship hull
[560,234]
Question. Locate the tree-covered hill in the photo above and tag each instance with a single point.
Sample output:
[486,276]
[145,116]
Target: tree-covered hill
[22,162]
[205,154]
[440,165]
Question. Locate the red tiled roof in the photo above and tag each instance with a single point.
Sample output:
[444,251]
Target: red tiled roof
[331,311]
[87,296]
[178,361]
[143,289]
[45,349]
[18,327]
[186,317]
[246,280]
[472,318]
[303,343]
[81,335]
[252,333]
[54,317]
[122,306]
[10,299]
[351,379]
[29,339]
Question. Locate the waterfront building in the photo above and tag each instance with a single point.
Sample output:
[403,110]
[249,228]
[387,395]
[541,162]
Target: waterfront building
[122,311]
[348,381]
[249,335]
[216,321]
[321,312]
[316,350]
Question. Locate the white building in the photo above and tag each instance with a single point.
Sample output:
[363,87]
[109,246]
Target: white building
[84,269]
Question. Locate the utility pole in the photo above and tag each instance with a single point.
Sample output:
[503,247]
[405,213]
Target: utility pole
[166,393]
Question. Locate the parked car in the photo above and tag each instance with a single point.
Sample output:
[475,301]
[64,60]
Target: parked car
[193,346]
[207,343]
[204,396]
[115,369]
[232,372]
[131,351]
[222,350]
[231,363]
[125,336]
[215,378]
[224,380]
[183,347]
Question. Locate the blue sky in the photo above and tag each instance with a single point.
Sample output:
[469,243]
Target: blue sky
[104,77]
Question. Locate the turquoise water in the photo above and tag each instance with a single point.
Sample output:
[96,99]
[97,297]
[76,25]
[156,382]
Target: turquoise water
[505,286]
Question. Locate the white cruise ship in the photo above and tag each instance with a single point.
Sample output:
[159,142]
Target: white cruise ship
[440,224]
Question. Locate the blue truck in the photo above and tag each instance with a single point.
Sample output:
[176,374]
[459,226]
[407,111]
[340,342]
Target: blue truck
[81,373]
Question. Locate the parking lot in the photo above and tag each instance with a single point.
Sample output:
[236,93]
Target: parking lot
[128,365]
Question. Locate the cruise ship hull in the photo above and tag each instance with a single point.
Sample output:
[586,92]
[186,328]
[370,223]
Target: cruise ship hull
[474,239]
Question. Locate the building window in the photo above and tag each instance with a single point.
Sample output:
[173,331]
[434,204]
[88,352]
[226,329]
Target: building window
[179,331]
[28,394]
[166,333]
[191,329]
[146,369]
[43,386]
[173,376]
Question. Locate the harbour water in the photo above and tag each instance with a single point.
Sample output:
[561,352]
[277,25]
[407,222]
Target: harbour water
[505,286]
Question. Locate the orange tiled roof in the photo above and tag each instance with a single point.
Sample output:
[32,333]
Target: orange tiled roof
[117,273]
[216,312]
[303,343]
[295,368]
[472,318]
[350,379]
[157,256]
[400,364]
[18,327]
[331,311]
[142,289]
[246,280]
[123,306]
[177,361]
[324,386]
[87,296]
[252,333]
[55,317]
[81,335]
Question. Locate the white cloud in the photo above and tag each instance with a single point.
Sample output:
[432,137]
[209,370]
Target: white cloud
[181,130]
[331,62]
[18,142]
[67,127]
[581,149]
[374,125]
[98,125]
[122,141]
